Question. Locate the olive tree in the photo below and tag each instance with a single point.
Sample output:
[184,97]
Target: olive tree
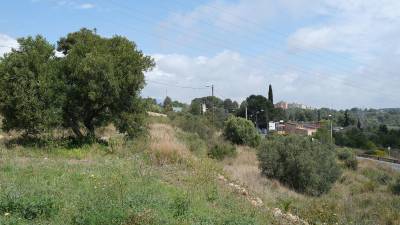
[97,81]
[299,162]
[103,79]
[31,94]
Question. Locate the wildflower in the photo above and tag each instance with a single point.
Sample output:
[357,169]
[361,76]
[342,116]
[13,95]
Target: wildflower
[6,214]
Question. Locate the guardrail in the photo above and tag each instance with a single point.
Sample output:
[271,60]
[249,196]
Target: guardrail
[380,158]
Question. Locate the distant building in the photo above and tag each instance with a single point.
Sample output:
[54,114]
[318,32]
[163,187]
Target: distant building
[177,109]
[282,105]
[298,106]
[300,128]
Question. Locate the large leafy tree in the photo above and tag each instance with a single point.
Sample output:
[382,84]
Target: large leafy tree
[103,79]
[259,110]
[30,91]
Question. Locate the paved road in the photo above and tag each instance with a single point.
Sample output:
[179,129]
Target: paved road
[393,165]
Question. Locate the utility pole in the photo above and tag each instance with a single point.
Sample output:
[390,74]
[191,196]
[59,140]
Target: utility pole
[212,101]
[246,112]
[330,117]
[212,94]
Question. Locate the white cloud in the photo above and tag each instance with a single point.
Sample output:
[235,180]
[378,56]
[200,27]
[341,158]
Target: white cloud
[86,6]
[6,44]
[355,44]
[237,77]
[360,27]
[68,3]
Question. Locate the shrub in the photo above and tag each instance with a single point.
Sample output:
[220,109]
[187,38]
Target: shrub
[302,164]
[221,149]
[194,124]
[395,186]
[241,131]
[348,157]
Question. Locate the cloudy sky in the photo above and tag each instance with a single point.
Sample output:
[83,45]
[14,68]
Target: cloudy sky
[325,53]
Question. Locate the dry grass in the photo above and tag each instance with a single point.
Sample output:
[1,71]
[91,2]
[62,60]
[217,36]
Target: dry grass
[244,169]
[164,146]
[354,197]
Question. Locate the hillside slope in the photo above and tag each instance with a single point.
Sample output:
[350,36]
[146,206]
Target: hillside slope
[149,181]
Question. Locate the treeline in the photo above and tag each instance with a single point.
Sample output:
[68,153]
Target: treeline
[369,138]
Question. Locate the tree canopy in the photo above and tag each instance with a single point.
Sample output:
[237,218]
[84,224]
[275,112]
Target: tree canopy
[30,100]
[98,81]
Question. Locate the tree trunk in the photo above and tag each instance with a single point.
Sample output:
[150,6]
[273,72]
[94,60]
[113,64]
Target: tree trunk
[77,131]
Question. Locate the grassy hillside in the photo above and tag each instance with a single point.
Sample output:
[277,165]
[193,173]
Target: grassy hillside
[358,197]
[167,178]
[155,180]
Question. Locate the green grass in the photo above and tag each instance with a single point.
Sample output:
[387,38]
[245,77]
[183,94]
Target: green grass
[95,185]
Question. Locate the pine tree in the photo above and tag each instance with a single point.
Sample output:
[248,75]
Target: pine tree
[270,94]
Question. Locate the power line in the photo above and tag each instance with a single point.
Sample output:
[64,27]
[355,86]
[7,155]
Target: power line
[274,32]
[278,62]
[177,86]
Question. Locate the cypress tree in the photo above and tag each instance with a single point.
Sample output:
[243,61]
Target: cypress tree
[270,94]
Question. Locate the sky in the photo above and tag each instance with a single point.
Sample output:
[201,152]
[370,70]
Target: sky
[326,53]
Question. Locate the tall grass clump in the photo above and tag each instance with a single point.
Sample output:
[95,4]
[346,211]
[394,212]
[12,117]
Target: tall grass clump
[221,149]
[302,164]
[395,186]
[348,157]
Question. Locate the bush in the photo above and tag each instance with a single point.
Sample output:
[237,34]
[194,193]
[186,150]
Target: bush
[348,157]
[194,124]
[241,131]
[395,186]
[221,150]
[302,164]
[378,153]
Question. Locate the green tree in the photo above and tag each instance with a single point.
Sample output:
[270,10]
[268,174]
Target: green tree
[270,94]
[241,131]
[323,133]
[167,104]
[259,110]
[103,79]
[30,97]
[230,106]
[305,165]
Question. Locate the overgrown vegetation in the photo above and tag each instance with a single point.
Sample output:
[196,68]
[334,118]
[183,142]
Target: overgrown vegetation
[221,149]
[300,163]
[361,196]
[96,185]
[348,157]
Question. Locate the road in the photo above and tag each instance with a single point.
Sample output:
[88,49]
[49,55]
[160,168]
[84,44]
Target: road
[393,165]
